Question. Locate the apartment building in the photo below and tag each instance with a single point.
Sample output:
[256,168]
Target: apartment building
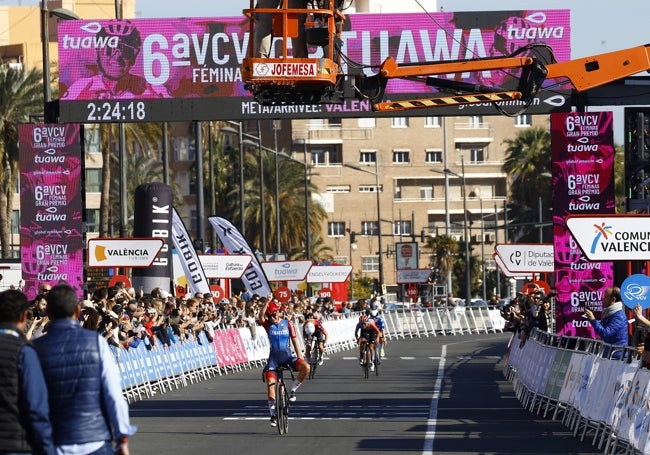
[387,176]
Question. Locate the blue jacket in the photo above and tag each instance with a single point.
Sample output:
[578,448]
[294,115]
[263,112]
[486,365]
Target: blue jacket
[72,367]
[612,329]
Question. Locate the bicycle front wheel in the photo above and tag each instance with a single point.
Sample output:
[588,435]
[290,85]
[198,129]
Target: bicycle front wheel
[313,361]
[366,362]
[282,407]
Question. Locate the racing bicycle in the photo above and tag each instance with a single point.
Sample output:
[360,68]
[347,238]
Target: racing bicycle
[368,361]
[314,354]
[282,399]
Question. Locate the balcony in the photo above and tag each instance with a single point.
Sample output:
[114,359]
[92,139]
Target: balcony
[320,133]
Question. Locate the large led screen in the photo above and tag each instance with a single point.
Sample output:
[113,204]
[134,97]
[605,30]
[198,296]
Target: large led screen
[189,68]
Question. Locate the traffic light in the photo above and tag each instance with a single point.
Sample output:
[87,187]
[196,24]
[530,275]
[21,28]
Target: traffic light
[422,236]
[353,237]
[637,159]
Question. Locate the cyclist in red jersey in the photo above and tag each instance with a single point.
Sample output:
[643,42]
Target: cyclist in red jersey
[282,336]
[313,328]
[366,332]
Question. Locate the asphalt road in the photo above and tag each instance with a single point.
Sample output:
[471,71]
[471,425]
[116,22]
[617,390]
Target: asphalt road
[442,395]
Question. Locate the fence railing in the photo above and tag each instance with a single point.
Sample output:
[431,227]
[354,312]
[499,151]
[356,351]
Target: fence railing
[597,390]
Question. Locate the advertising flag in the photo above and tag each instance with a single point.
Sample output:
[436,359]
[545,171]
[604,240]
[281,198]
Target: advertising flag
[196,279]
[254,277]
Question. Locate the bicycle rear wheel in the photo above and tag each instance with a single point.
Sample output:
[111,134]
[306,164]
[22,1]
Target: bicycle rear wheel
[313,360]
[282,406]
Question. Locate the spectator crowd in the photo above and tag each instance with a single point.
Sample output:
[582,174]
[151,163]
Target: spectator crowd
[128,319]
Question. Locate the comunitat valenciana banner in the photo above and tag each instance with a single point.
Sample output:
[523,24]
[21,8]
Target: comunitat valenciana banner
[583,183]
[51,201]
[121,70]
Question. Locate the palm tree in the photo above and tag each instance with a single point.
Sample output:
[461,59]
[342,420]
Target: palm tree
[528,165]
[142,138]
[20,95]
[291,186]
[444,254]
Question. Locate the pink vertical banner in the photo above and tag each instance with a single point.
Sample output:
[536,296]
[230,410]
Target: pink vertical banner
[583,183]
[51,200]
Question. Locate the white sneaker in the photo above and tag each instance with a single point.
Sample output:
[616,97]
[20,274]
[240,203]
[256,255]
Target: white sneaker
[372,367]
[320,361]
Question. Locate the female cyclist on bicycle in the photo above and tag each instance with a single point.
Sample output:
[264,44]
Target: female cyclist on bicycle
[282,335]
[313,328]
[366,332]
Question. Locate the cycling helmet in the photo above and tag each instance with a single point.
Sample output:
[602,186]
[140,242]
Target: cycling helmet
[128,37]
[310,329]
[363,319]
[374,312]
[224,301]
[272,309]
[124,30]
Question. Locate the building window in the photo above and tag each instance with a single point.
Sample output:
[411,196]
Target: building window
[475,121]
[433,156]
[91,139]
[476,154]
[402,227]
[524,120]
[336,228]
[401,156]
[370,263]
[341,260]
[369,188]
[317,157]
[93,180]
[432,122]
[184,149]
[15,222]
[369,228]
[336,156]
[92,220]
[400,122]
[338,188]
[367,122]
[426,193]
[368,156]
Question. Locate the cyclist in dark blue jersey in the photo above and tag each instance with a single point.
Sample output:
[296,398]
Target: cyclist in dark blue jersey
[282,336]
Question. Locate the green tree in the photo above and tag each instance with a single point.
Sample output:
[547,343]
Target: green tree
[444,251]
[291,186]
[528,165]
[20,95]
[140,139]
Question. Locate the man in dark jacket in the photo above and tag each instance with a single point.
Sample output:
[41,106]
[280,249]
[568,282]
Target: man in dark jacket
[88,411]
[24,412]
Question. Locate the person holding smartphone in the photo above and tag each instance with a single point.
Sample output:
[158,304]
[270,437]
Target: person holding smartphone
[612,327]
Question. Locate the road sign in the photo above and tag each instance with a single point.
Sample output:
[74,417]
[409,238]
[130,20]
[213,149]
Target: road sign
[286,270]
[123,252]
[413,276]
[328,273]
[527,257]
[224,265]
[507,272]
[622,237]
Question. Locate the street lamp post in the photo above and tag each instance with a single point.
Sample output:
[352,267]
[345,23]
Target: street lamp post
[379,241]
[61,13]
[240,133]
[468,269]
